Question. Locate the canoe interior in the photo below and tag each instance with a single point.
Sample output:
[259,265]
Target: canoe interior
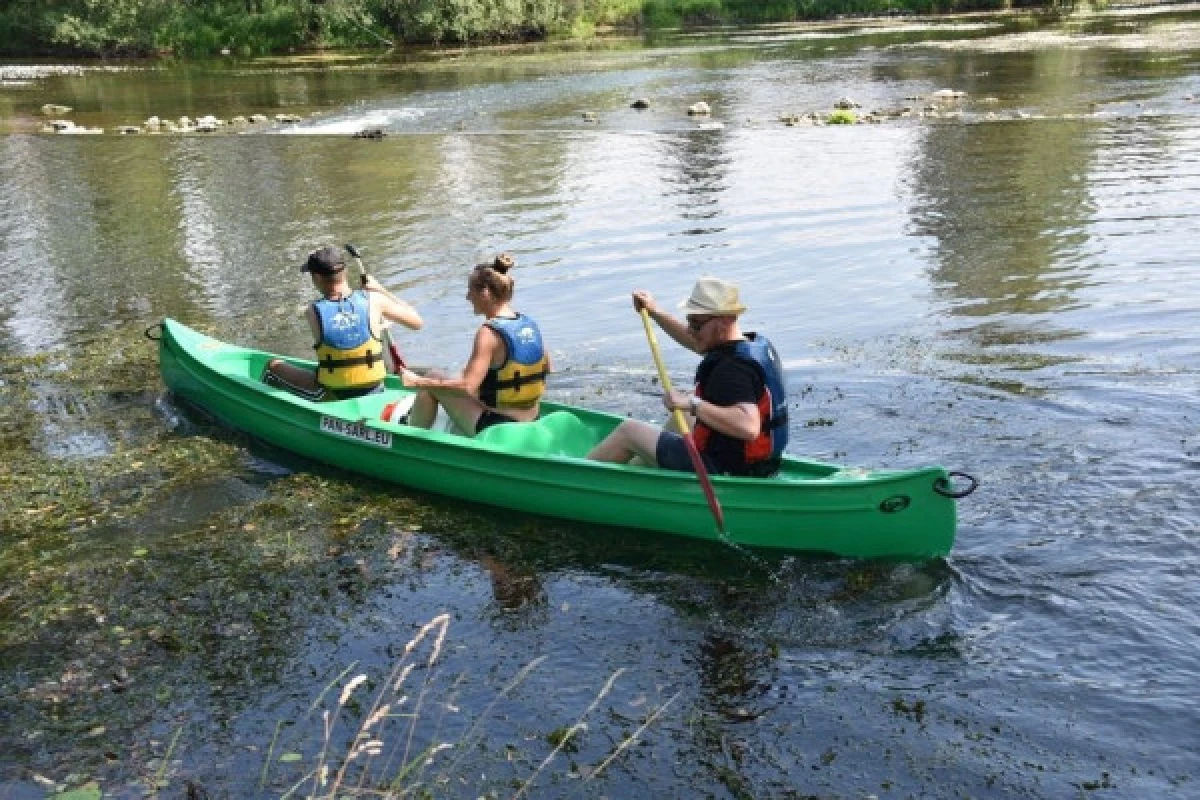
[564,431]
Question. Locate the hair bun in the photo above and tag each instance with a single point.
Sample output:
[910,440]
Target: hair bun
[503,263]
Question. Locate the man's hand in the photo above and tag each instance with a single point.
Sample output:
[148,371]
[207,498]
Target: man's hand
[676,400]
[370,284]
[643,299]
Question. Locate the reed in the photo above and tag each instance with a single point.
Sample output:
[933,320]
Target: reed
[380,759]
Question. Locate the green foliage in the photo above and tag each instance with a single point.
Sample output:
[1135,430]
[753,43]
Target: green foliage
[247,27]
[842,117]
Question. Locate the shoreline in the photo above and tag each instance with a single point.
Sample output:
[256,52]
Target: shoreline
[602,33]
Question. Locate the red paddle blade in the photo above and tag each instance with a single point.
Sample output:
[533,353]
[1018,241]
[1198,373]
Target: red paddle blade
[397,359]
[706,484]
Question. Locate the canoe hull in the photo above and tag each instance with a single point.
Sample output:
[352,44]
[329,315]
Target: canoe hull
[893,514]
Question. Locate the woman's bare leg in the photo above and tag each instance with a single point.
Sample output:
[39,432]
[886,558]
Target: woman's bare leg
[423,411]
[464,411]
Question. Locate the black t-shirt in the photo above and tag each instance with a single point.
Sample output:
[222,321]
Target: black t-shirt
[726,380]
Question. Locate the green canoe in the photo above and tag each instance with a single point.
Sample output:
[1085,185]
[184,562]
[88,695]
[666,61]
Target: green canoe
[538,467]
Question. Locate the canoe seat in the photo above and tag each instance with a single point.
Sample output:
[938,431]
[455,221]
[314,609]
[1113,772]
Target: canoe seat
[559,433]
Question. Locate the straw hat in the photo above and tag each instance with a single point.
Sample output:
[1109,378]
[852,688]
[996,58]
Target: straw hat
[715,297]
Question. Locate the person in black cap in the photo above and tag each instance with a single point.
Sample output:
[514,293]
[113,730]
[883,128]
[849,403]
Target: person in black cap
[346,326]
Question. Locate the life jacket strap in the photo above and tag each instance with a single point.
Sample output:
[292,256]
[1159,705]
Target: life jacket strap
[369,360]
[518,380]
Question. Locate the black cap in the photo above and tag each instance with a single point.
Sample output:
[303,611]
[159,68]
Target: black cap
[325,260]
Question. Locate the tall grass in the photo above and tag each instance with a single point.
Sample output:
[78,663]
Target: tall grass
[370,749]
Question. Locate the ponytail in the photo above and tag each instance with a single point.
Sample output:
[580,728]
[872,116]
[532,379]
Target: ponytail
[493,276]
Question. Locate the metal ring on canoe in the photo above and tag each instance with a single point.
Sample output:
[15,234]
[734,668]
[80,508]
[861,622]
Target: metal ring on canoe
[150,336]
[945,485]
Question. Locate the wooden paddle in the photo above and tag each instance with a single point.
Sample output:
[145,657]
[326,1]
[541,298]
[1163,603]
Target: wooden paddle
[710,494]
[398,362]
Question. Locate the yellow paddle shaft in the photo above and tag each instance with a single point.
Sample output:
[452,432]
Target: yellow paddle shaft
[680,420]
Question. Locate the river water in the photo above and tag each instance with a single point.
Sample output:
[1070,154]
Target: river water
[1008,283]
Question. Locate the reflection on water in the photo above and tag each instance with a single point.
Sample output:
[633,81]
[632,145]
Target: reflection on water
[1011,291]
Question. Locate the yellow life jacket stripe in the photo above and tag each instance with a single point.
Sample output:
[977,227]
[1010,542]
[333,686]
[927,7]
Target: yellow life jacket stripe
[357,368]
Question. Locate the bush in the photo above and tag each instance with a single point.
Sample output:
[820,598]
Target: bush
[204,27]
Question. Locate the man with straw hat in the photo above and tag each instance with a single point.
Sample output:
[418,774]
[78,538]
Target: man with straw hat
[738,406]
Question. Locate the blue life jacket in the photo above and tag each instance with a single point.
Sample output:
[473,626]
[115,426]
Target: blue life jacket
[348,355]
[521,380]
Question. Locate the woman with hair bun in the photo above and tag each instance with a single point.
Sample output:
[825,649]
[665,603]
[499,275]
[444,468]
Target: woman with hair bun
[504,378]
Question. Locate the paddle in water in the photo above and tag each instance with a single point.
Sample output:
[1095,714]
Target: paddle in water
[398,362]
[681,422]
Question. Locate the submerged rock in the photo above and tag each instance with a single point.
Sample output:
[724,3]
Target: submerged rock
[370,133]
[943,95]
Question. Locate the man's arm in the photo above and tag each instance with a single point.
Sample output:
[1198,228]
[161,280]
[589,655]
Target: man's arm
[674,328]
[392,308]
[740,420]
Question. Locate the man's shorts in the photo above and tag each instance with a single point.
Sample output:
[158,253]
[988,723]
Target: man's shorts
[671,452]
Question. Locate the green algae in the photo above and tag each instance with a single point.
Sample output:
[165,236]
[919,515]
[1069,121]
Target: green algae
[165,566]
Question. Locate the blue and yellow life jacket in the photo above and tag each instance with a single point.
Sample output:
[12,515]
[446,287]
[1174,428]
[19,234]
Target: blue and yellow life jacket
[772,439]
[521,380]
[348,354]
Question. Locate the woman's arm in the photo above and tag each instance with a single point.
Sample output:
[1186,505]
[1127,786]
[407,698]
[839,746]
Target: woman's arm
[487,343]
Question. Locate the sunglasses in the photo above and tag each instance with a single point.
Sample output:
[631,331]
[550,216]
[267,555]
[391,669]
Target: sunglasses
[696,324]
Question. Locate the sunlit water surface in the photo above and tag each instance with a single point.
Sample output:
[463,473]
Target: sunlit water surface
[1010,287]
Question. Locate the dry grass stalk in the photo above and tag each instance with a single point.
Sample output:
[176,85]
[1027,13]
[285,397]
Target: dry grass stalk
[621,748]
[366,743]
[467,740]
[578,726]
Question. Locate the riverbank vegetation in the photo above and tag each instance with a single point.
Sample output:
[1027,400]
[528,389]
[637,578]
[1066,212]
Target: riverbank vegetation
[250,27]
